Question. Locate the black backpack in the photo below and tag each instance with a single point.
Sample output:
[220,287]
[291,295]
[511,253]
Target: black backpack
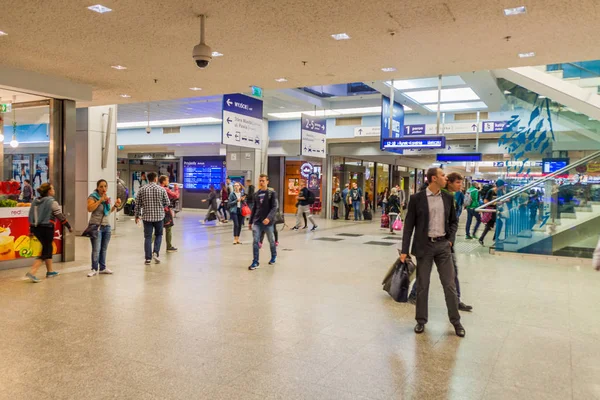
[337,198]
[311,197]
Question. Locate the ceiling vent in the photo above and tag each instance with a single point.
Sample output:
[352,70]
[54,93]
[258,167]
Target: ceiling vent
[172,129]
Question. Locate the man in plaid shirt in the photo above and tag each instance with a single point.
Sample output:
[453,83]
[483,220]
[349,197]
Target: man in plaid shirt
[150,203]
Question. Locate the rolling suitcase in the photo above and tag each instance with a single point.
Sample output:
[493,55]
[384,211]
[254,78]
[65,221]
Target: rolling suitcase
[385,221]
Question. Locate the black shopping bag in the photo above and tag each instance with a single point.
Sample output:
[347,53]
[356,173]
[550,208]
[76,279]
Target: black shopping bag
[397,280]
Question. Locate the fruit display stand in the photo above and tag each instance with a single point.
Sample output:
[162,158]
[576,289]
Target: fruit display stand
[17,246]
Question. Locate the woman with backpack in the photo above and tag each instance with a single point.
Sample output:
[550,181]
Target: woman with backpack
[42,214]
[393,208]
[337,203]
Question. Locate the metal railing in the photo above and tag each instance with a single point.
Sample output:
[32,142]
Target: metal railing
[514,193]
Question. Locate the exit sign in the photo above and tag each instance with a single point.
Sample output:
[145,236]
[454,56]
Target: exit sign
[256,91]
[5,108]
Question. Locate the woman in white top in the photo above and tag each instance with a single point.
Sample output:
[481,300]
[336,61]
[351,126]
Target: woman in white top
[236,201]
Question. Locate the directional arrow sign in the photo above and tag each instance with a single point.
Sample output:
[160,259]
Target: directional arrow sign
[313,132]
[242,121]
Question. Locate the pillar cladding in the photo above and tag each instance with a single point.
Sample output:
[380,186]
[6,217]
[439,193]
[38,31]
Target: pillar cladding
[94,124]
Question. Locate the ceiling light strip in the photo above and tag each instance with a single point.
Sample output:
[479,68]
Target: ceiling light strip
[169,122]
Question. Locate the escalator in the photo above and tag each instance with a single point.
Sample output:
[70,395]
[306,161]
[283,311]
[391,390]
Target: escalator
[558,215]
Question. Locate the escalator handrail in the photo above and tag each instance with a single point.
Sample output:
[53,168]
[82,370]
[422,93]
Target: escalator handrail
[533,184]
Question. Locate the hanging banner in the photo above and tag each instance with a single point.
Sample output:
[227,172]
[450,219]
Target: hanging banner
[397,129]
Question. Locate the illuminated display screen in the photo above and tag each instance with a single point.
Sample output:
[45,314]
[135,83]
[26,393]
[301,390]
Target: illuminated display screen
[200,173]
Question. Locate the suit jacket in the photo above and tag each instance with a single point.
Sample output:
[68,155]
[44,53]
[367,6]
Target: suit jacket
[417,222]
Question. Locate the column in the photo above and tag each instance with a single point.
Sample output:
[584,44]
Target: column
[91,148]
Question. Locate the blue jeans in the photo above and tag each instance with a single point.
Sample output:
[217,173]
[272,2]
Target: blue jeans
[150,228]
[99,247]
[257,230]
[470,214]
[356,206]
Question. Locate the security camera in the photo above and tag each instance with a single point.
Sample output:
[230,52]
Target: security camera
[148,130]
[202,54]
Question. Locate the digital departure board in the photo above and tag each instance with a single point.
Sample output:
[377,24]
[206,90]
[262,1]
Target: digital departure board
[200,173]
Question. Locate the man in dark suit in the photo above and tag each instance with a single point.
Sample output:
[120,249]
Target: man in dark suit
[431,215]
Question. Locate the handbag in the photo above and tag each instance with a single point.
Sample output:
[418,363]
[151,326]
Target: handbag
[168,220]
[279,218]
[397,280]
[486,217]
[397,225]
[246,210]
[92,229]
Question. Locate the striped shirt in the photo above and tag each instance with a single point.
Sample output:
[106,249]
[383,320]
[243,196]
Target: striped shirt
[150,203]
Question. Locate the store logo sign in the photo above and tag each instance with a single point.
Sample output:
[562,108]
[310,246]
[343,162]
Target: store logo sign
[306,169]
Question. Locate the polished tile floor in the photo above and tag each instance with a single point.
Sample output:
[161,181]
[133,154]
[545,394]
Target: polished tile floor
[315,326]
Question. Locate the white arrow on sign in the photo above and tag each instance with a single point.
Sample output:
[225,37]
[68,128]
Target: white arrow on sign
[229,102]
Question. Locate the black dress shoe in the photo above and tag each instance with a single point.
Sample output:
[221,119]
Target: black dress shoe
[419,328]
[460,331]
[464,307]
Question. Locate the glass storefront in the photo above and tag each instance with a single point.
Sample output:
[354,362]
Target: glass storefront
[25,121]
[296,172]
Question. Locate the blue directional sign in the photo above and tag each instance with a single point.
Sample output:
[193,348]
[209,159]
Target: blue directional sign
[414,142]
[397,130]
[417,130]
[313,136]
[242,121]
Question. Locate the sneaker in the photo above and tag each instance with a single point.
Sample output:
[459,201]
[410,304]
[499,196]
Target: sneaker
[469,237]
[171,249]
[314,228]
[106,271]
[464,307]
[481,242]
[32,277]
[254,266]
[294,228]
[260,245]
[92,273]
[276,244]
[51,274]
[148,262]
[156,258]
[272,261]
[412,300]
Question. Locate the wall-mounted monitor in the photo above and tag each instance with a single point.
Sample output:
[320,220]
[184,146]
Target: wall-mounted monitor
[551,165]
[459,157]
[201,172]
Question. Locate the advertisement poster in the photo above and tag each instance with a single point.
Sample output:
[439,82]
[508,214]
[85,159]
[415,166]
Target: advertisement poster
[40,170]
[169,169]
[138,179]
[15,241]
[20,167]
[293,186]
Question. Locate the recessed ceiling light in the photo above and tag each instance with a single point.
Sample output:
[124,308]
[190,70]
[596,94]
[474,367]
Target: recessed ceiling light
[527,55]
[2,33]
[388,69]
[125,96]
[195,89]
[99,8]
[332,113]
[280,80]
[217,54]
[341,36]
[426,83]
[119,67]
[515,11]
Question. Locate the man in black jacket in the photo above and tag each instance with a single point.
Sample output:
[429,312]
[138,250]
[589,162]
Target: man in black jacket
[431,215]
[262,219]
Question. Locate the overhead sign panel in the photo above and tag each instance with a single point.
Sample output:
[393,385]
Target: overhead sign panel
[414,142]
[313,136]
[415,130]
[365,131]
[494,126]
[397,129]
[242,121]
